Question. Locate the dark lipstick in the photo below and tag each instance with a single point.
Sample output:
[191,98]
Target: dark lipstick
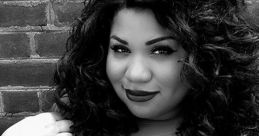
[140,95]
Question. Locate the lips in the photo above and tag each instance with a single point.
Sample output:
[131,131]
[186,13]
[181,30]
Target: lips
[140,95]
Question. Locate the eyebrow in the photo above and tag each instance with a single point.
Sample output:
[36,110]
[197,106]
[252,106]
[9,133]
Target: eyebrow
[150,42]
[119,39]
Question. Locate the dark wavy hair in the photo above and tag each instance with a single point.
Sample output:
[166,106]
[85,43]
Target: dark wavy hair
[221,68]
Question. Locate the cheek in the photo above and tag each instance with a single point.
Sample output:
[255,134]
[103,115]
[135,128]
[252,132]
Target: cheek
[114,69]
[174,89]
[168,74]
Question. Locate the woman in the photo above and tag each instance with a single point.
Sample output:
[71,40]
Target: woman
[157,68]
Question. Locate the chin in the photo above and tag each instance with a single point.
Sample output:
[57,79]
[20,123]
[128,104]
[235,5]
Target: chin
[151,114]
[144,114]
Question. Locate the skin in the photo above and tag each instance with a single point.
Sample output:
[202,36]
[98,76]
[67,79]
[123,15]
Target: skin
[143,56]
[149,61]
[44,124]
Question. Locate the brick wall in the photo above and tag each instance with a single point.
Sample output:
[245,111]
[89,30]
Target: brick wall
[32,38]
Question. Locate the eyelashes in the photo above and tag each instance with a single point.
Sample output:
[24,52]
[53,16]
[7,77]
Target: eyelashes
[120,49]
[164,50]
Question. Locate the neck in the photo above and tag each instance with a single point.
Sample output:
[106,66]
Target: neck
[158,127]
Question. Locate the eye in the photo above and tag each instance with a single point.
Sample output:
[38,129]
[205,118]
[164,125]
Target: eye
[120,49]
[162,50]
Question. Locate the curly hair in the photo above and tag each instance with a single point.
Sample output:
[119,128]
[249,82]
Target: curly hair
[221,68]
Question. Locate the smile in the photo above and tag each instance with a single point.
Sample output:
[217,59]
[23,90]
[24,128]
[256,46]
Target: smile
[139,95]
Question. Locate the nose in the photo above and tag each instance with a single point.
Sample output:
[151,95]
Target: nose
[138,71]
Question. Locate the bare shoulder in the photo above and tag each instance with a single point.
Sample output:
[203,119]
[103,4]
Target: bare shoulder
[43,124]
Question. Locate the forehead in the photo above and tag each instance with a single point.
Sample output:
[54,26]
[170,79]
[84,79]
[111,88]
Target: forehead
[140,21]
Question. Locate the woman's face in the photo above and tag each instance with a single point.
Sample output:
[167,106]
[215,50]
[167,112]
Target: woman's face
[143,65]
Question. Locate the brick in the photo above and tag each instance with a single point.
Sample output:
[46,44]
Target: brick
[1,103]
[20,101]
[20,15]
[14,45]
[51,44]
[46,100]
[66,12]
[26,74]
